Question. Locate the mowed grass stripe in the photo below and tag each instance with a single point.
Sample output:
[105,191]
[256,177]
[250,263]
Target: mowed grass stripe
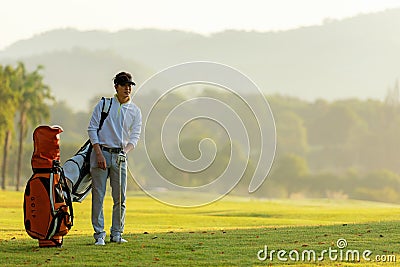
[146,214]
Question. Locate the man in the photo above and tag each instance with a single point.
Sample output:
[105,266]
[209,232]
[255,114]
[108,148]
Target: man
[118,135]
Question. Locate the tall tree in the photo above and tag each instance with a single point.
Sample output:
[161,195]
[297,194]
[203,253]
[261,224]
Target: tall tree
[7,113]
[32,107]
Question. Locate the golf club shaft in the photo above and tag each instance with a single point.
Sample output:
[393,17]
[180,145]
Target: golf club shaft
[120,198]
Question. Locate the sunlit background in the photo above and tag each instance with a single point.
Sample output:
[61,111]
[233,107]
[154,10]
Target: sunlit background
[329,70]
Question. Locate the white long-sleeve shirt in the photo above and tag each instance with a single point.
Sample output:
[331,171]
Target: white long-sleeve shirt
[121,127]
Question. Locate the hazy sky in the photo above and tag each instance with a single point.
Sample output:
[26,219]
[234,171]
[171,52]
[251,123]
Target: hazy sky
[21,19]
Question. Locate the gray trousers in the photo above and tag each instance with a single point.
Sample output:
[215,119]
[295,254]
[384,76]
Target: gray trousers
[118,186]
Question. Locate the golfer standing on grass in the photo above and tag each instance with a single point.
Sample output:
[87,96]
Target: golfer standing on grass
[119,134]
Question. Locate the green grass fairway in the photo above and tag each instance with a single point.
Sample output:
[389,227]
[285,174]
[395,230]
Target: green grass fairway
[229,232]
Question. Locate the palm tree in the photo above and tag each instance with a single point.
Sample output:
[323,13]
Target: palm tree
[32,107]
[7,113]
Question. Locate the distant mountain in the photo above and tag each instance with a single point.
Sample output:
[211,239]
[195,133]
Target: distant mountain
[77,75]
[354,57]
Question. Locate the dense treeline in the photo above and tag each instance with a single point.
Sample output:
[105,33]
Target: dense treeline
[345,148]
[339,149]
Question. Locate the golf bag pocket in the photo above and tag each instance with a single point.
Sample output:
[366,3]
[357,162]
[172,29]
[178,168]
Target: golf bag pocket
[46,213]
[77,171]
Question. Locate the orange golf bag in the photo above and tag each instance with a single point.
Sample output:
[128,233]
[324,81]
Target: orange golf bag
[48,214]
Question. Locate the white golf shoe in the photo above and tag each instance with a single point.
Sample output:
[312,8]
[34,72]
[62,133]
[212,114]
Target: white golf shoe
[100,242]
[118,239]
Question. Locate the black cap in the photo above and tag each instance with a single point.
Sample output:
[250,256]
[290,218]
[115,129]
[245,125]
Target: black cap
[123,79]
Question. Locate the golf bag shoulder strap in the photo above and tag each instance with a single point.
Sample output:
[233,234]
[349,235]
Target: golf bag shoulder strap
[107,102]
[68,195]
